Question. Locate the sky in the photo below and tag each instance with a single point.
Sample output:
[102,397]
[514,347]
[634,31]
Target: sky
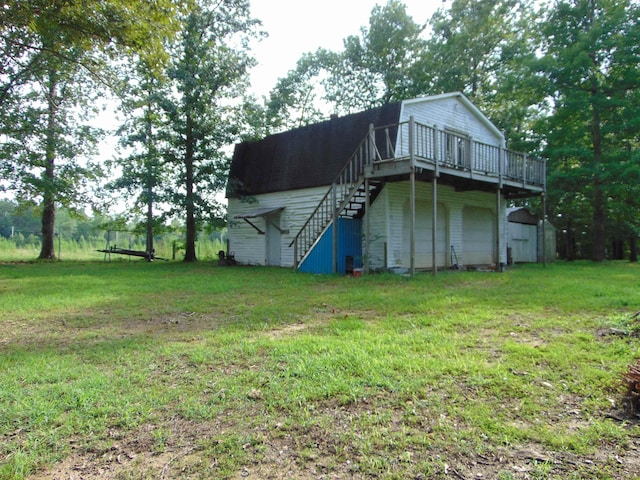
[296,27]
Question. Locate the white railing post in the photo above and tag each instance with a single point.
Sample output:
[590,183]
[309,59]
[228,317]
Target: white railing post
[372,145]
[500,166]
[436,149]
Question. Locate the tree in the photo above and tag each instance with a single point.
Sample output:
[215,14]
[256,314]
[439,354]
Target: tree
[375,67]
[591,60]
[483,48]
[389,49]
[143,171]
[107,24]
[45,140]
[50,51]
[209,70]
[294,101]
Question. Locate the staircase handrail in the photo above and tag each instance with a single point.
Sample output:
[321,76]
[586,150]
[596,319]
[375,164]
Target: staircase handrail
[342,173]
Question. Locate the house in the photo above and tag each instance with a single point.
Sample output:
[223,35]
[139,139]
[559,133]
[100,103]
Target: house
[378,190]
[528,237]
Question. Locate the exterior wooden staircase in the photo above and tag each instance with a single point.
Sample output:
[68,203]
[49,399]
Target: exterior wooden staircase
[346,197]
[401,149]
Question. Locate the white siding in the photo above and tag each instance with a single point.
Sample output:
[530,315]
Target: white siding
[450,112]
[479,233]
[392,206]
[379,231]
[424,234]
[389,245]
[248,246]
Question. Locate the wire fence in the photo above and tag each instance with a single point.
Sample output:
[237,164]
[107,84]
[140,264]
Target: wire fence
[26,245]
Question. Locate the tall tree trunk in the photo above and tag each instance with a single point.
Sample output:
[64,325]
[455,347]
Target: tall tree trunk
[150,162]
[150,248]
[48,251]
[617,249]
[633,248]
[190,247]
[599,217]
[570,250]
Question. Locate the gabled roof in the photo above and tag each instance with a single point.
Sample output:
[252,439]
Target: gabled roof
[462,98]
[305,157]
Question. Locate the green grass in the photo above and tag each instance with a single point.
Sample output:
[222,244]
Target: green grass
[137,370]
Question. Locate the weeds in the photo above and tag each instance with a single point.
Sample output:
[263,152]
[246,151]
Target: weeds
[632,397]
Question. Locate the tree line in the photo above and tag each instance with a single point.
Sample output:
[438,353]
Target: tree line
[561,79]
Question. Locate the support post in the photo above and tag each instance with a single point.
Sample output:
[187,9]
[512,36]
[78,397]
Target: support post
[434,226]
[434,223]
[334,201]
[367,227]
[498,223]
[412,181]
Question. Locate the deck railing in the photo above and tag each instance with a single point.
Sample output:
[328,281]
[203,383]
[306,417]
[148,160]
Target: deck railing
[431,145]
[452,149]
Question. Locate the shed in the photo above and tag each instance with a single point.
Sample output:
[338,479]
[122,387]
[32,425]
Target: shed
[525,234]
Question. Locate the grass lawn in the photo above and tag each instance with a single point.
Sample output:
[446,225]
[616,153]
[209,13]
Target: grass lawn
[131,370]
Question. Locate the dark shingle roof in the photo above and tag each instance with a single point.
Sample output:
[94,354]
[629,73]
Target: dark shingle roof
[305,157]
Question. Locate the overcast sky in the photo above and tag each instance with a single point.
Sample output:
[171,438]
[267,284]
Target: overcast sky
[298,26]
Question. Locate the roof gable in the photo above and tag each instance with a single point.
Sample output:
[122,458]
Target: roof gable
[305,157]
[468,104]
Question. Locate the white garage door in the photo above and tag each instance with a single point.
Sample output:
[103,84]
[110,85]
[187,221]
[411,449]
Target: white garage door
[478,236]
[424,223]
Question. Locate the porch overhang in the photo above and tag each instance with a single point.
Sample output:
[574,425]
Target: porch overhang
[261,212]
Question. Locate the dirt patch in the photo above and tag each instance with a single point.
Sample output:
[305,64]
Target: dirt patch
[361,440]
[286,330]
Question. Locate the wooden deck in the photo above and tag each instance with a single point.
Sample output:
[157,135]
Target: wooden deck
[452,158]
